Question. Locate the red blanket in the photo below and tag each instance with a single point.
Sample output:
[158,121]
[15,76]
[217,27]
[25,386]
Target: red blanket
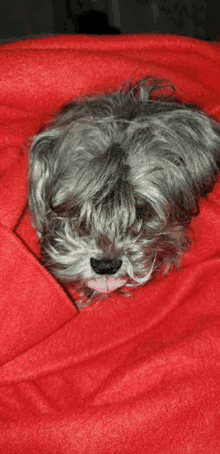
[131,375]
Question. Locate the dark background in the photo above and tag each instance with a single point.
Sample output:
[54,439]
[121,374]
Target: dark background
[24,18]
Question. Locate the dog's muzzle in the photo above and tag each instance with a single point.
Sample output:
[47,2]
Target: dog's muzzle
[105,266]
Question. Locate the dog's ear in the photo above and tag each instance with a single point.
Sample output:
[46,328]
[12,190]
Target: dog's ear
[41,171]
[176,158]
[200,137]
[194,157]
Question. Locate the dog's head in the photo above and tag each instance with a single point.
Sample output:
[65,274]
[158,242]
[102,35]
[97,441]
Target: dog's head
[114,181]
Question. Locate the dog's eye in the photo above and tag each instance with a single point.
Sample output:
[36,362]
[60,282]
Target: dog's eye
[84,228]
[144,212]
[177,161]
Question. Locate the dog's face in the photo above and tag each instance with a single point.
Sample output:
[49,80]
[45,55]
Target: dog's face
[113,183]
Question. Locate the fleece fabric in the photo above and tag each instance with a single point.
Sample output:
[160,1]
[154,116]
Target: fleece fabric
[137,375]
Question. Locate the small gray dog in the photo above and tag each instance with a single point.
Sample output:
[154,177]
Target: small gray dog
[114,181]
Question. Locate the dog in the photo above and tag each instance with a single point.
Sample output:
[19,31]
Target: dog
[114,181]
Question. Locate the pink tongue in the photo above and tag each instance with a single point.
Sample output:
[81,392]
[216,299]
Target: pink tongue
[104,285]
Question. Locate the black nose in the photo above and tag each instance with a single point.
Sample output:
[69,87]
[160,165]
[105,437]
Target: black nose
[105,266]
